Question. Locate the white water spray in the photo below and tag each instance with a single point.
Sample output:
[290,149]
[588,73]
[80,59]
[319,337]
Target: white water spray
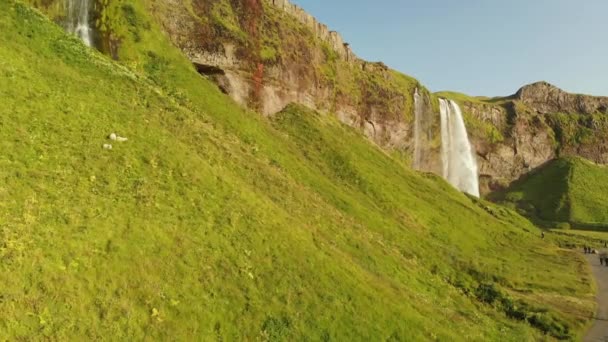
[417,131]
[77,20]
[457,154]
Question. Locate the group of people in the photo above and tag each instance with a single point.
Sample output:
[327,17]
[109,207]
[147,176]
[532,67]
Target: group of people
[603,254]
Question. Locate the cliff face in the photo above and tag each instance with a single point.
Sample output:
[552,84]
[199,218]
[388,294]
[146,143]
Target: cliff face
[266,54]
[539,123]
[525,142]
[280,54]
[546,98]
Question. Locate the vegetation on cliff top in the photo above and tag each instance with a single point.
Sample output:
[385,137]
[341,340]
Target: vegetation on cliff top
[213,222]
[460,97]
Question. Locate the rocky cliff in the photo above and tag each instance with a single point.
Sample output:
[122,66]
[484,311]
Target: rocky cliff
[538,123]
[266,54]
[290,57]
[546,98]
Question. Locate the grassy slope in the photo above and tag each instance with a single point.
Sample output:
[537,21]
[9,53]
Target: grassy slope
[589,193]
[213,222]
[460,97]
[579,238]
[569,190]
[543,192]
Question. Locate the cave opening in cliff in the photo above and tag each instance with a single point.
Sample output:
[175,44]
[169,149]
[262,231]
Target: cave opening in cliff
[208,70]
[215,74]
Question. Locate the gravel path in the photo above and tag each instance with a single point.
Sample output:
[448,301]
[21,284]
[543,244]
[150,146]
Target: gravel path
[599,331]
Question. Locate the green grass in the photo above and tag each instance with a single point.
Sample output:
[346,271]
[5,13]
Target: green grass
[542,193]
[592,235]
[579,129]
[213,222]
[460,97]
[571,190]
[578,239]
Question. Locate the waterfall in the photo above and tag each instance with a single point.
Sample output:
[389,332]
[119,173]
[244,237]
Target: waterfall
[77,20]
[417,131]
[457,154]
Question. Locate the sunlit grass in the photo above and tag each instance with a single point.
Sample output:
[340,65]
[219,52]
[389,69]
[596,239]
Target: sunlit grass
[571,191]
[212,222]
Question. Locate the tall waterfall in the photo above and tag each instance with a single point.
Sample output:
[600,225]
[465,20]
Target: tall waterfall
[78,21]
[457,154]
[417,162]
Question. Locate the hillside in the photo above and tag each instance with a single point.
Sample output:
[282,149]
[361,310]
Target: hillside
[215,222]
[571,190]
[266,54]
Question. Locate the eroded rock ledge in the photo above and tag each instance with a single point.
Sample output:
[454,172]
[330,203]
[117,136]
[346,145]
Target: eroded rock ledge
[547,98]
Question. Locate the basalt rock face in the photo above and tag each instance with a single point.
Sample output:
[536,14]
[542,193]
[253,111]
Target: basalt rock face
[525,142]
[546,98]
[537,124]
[268,53]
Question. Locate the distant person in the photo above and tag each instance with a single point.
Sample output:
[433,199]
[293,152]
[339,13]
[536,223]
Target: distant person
[542,235]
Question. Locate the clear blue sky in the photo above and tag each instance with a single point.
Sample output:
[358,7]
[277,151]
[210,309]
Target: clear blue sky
[479,47]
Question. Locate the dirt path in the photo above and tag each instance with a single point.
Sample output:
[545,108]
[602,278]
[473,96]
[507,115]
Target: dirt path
[599,331]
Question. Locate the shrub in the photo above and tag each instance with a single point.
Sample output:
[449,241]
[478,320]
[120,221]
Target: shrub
[488,293]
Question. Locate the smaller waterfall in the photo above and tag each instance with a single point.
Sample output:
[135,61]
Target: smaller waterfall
[417,162]
[78,21]
[457,154]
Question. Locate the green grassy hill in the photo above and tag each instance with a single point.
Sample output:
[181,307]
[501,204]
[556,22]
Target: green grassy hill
[211,222]
[570,190]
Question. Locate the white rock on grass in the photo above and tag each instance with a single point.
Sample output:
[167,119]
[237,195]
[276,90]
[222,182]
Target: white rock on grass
[115,137]
[107,146]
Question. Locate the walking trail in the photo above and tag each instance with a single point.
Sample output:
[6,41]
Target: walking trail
[599,330]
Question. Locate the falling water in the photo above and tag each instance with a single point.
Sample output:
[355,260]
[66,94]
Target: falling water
[457,154]
[77,19]
[417,131]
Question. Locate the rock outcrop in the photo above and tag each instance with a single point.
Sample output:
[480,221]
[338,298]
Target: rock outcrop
[320,30]
[267,54]
[539,123]
[546,98]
